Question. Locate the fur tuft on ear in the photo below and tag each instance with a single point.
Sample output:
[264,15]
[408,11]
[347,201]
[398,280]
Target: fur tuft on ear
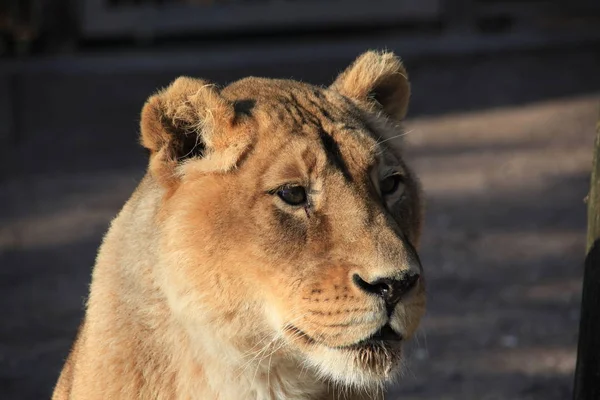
[377,78]
[188,119]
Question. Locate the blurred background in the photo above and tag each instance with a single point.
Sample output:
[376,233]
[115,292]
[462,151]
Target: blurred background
[505,99]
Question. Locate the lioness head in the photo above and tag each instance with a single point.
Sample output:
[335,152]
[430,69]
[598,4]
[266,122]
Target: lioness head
[289,219]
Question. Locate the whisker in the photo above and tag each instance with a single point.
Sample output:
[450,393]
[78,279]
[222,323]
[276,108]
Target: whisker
[392,138]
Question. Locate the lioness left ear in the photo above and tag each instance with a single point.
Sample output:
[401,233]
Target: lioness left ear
[377,79]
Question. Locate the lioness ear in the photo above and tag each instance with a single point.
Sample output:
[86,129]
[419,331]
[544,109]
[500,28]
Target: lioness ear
[188,119]
[377,79]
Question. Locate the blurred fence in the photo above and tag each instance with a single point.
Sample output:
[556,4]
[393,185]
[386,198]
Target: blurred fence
[101,18]
[54,23]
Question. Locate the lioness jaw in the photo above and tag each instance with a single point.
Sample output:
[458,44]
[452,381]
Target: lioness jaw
[270,250]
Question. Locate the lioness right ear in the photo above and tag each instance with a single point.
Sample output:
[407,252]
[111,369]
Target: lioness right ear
[377,79]
[184,121]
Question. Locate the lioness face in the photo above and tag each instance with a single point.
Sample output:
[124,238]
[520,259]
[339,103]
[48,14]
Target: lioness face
[306,244]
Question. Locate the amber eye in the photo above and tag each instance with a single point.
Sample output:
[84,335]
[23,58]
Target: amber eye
[390,184]
[293,195]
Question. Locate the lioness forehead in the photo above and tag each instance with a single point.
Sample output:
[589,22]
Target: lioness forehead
[288,110]
[291,102]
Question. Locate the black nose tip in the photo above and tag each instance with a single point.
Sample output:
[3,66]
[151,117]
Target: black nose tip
[390,289]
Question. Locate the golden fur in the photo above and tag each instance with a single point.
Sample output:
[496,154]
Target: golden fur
[208,285]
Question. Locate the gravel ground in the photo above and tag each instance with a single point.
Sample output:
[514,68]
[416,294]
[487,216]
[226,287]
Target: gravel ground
[503,252]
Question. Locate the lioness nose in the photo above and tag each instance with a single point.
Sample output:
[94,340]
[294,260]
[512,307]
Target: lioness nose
[390,289]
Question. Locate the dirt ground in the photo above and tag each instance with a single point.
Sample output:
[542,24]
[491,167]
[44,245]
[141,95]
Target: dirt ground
[503,252]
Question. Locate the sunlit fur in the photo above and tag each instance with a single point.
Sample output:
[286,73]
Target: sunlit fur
[209,286]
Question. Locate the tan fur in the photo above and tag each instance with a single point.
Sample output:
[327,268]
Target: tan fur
[208,286]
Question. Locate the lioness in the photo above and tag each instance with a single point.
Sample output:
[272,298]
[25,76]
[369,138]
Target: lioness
[268,253]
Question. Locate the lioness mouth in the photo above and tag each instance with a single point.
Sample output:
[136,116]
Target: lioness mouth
[381,336]
[384,334]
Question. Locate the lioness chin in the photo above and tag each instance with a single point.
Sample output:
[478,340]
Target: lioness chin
[268,253]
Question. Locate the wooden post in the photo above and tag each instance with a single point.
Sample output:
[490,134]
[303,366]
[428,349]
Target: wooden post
[587,372]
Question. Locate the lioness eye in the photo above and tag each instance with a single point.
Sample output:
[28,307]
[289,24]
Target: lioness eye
[390,184]
[293,195]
